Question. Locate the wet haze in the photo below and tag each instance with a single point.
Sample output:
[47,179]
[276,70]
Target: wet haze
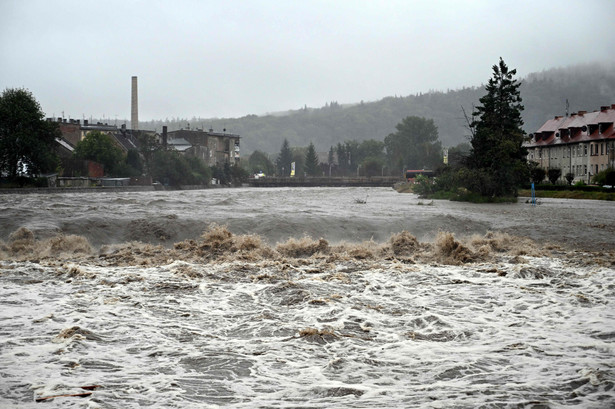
[233,58]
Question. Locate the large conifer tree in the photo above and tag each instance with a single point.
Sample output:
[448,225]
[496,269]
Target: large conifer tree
[311,161]
[497,137]
[284,159]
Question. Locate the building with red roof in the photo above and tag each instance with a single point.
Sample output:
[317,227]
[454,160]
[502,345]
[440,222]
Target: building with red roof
[582,144]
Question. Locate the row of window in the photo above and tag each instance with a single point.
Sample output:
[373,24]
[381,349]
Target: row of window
[575,151]
[581,170]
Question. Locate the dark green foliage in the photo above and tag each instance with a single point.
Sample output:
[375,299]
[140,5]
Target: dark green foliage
[312,166]
[239,175]
[569,178]
[554,174]
[134,160]
[415,145]
[537,174]
[260,162]
[148,145]
[173,169]
[284,159]
[458,155]
[605,177]
[498,157]
[99,147]
[26,139]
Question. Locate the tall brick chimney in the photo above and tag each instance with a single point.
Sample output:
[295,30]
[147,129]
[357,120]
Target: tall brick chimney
[134,106]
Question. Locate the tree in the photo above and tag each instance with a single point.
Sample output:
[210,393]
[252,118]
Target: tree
[537,174]
[312,167]
[331,157]
[99,147]
[497,136]
[415,145]
[133,160]
[284,159]
[458,155]
[26,139]
[554,175]
[569,178]
[260,162]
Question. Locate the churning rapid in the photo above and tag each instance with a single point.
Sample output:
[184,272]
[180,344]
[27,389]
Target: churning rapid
[310,298]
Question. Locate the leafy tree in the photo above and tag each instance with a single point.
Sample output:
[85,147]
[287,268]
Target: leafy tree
[26,139]
[371,149]
[172,168]
[99,147]
[284,159]
[497,136]
[331,156]
[134,161]
[148,145]
[537,174]
[605,177]
[260,162]
[415,145]
[312,167]
[169,167]
[239,174]
[554,175]
[569,178]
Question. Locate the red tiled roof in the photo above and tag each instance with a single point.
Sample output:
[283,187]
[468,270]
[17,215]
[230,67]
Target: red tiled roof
[553,131]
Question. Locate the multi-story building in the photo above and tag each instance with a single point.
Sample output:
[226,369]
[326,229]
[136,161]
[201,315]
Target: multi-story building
[582,144]
[215,148]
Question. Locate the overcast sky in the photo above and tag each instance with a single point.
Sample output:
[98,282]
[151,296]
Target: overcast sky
[232,58]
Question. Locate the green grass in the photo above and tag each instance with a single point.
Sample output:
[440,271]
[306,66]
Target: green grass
[569,194]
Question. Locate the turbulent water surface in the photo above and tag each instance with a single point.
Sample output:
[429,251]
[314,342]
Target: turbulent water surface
[137,299]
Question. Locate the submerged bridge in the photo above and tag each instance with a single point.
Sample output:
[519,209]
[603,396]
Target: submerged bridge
[374,181]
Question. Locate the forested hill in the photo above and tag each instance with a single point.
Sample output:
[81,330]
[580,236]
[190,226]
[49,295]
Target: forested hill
[544,94]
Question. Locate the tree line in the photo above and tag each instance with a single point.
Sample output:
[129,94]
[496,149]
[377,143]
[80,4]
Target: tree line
[414,145]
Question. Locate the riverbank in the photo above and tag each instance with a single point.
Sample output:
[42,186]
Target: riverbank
[568,194]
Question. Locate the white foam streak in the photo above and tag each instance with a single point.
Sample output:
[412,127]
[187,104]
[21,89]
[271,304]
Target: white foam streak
[396,336]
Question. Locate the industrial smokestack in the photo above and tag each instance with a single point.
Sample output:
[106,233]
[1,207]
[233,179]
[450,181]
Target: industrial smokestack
[134,107]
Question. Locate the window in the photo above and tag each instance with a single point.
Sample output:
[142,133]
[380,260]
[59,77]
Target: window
[596,169]
[602,148]
[585,169]
[585,149]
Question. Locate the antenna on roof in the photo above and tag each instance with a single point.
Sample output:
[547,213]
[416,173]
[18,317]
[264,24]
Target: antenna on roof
[567,107]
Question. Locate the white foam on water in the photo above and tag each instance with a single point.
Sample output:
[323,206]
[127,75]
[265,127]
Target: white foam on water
[395,335]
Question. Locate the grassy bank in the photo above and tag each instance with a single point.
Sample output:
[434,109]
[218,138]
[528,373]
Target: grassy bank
[558,194]
[569,194]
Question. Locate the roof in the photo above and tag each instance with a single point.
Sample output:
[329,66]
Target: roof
[578,127]
[179,144]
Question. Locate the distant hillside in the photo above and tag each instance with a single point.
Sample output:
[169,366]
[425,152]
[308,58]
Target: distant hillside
[544,94]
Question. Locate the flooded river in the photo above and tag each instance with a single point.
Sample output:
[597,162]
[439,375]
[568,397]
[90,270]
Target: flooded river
[304,298]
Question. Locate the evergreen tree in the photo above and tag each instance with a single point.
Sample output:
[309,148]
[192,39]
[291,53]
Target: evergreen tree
[312,167]
[284,160]
[26,139]
[497,136]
